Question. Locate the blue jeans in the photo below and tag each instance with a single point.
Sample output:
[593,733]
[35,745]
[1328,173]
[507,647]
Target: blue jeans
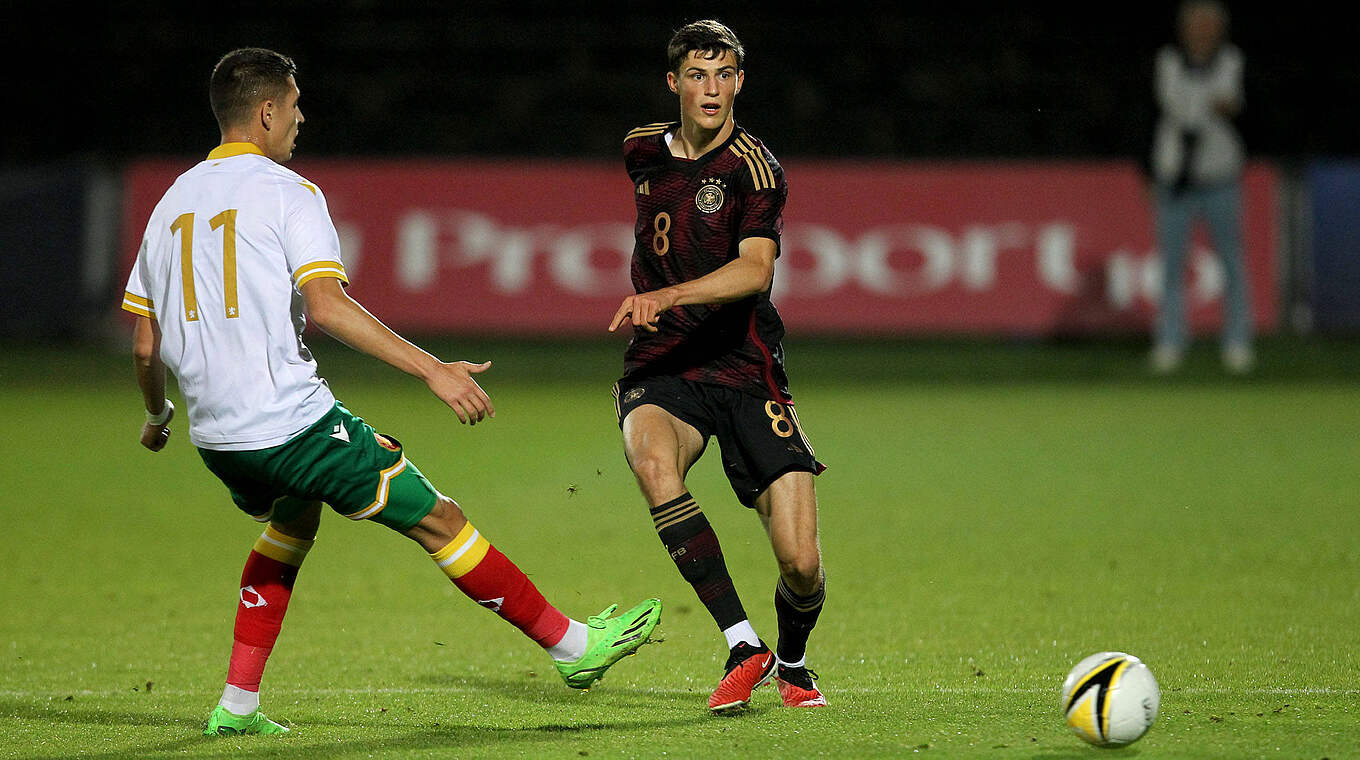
[1220,206]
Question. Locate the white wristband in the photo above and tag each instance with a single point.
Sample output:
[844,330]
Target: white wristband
[160,419]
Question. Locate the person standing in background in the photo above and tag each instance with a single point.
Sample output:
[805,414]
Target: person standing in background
[1197,162]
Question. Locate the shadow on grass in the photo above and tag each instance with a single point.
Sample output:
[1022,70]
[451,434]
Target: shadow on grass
[547,688]
[1086,754]
[317,737]
[58,714]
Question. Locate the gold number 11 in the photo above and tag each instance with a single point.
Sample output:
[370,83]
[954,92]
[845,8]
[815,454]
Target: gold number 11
[184,225]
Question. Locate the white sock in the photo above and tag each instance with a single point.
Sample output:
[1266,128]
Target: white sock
[741,632]
[802,662]
[238,701]
[573,643]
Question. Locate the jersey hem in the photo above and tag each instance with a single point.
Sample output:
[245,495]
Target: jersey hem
[268,442]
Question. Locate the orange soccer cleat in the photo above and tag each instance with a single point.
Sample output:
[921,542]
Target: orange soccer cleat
[798,687]
[748,668]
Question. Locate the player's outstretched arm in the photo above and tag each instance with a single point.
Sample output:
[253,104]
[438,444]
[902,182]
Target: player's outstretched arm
[146,356]
[750,273]
[346,320]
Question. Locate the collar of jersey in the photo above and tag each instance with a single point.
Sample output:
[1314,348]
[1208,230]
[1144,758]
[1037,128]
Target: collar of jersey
[227,150]
[693,164]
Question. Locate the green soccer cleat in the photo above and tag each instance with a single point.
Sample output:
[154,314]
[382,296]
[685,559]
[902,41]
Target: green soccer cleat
[224,723]
[610,640]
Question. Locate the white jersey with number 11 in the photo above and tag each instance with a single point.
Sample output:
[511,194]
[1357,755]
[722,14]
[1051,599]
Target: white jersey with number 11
[219,269]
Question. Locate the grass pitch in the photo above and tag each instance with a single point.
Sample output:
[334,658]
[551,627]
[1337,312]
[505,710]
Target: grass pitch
[993,512]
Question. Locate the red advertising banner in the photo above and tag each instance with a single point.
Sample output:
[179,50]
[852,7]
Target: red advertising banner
[535,248]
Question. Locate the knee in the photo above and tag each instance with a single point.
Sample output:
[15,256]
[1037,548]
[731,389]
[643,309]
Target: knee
[802,571]
[655,474]
[447,514]
[443,523]
[303,526]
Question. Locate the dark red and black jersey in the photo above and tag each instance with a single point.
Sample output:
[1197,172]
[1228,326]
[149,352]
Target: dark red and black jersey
[691,217]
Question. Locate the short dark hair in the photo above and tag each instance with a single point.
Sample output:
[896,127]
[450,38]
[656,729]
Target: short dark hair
[245,77]
[1212,6]
[708,37]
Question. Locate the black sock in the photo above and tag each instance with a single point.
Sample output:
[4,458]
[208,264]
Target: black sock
[693,546]
[797,617]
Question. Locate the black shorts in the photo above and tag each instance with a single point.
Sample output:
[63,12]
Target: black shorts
[760,439]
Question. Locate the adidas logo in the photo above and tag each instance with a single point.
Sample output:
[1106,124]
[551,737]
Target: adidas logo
[631,632]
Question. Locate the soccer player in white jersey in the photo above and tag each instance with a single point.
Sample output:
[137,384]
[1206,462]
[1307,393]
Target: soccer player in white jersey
[237,255]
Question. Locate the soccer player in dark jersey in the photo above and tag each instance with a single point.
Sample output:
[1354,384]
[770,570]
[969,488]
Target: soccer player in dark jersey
[705,360]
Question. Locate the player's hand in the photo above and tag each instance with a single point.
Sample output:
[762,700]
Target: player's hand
[453,383]
[644,309]
[154,437]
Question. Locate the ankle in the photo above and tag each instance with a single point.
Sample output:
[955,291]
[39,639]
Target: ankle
[239,701]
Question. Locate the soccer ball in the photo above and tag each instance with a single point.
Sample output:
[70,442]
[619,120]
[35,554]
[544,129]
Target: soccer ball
[1110,699]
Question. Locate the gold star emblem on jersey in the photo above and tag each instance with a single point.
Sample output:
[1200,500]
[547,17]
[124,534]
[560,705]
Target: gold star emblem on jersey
[710,195]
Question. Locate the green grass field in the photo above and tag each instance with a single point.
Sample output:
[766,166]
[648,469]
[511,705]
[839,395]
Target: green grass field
[993,512]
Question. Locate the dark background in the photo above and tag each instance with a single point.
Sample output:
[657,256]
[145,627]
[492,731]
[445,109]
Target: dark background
[886,81]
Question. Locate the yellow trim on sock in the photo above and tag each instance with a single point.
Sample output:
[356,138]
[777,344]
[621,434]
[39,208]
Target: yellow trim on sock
[285,549]
[463,553]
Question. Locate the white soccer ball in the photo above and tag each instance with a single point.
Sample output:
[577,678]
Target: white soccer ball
[1110,699]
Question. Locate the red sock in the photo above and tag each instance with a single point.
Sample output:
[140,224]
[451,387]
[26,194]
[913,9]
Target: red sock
[266,586]
[479,570]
